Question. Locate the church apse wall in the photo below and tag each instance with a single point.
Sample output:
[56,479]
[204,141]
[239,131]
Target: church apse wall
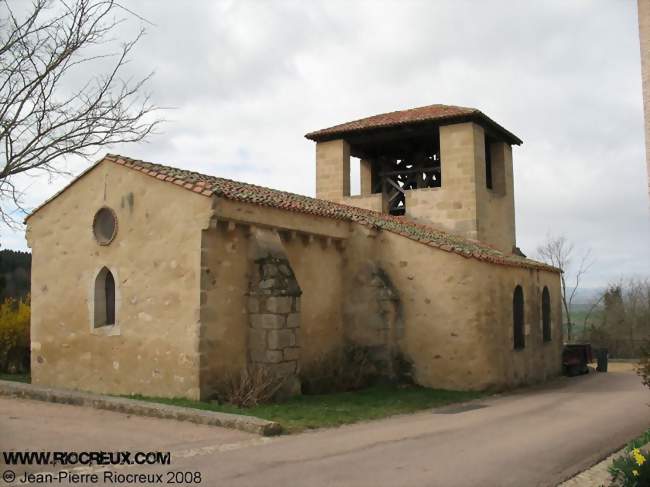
[455,314]
[458,316]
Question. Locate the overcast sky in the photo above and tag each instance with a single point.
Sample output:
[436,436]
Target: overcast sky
[248,79]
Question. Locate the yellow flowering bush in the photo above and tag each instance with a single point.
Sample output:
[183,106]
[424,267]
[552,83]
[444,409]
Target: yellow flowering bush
[14,336]
[638,457]
[633,468]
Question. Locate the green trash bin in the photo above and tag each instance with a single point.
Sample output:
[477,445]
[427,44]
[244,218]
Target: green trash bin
[602,357]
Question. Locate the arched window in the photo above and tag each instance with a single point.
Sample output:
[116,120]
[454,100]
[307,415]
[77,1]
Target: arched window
[518,318]
[104,298]
[546,315]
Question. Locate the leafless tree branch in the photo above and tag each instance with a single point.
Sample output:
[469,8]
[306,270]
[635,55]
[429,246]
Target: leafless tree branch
[558,252]
[41,120]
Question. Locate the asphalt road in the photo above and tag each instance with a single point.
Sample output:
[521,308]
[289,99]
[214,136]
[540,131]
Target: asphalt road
[535,437]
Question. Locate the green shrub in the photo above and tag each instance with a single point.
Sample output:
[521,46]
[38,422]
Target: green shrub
[14,336]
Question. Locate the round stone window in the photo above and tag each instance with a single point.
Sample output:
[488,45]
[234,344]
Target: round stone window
[105,226]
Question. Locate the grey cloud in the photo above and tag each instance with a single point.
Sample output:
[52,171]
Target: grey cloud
[248,79]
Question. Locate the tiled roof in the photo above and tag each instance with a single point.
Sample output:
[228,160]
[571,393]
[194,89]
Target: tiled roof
[431,113]
[258,195]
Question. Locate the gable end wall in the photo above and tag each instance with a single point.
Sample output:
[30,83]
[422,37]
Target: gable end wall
[155,258]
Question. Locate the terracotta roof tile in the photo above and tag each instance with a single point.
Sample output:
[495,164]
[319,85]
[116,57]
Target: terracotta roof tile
[259,195]
[431,113]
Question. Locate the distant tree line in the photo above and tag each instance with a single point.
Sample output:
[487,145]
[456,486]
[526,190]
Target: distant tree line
[619,319]
[15,274]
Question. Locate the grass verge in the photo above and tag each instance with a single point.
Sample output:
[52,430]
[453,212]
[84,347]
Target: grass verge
[642,440]
[328,410]
[16,377]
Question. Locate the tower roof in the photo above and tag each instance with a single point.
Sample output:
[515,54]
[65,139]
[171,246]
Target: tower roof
[439,114]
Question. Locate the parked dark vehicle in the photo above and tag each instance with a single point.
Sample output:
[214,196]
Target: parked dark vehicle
[576,359]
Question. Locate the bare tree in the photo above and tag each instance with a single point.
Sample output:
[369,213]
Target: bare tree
[592,307]
[46,113]
[558,252]
[628,310]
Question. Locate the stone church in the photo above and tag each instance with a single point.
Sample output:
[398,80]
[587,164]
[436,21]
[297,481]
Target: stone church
[160,281]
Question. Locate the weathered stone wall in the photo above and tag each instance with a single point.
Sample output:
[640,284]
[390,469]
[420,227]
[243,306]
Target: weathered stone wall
[282,220]
[365,177]
[224,326]
[373,317]
[457,313]
[496,206]
[250,306]
[155,259]
[319,267]
[274,320]
[463,204]
[372,202]
[453,205]
[332,170]
[538,360]
[231,250]
[644,35]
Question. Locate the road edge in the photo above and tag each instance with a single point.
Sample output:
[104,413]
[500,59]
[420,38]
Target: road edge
[250,424]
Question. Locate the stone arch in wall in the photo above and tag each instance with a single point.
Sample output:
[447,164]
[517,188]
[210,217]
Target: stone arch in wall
[373,320]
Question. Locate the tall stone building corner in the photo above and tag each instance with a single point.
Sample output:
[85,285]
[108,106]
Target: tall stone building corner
[644,36]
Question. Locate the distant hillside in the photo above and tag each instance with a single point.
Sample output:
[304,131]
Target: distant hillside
[15,273]
[585,297]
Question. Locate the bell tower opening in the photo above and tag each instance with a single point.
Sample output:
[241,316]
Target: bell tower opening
[402,162]
[444,165]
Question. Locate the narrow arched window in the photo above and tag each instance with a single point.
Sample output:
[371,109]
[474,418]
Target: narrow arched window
[518,318]
[104,298]
[546,315]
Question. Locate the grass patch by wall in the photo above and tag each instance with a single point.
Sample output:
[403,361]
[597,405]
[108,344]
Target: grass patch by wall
[328,410]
